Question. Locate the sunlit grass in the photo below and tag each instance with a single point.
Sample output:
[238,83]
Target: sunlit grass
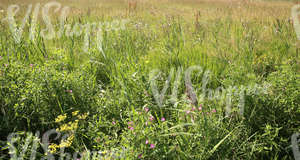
[241,43]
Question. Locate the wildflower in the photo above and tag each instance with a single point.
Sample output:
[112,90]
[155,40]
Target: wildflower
[147,142]
[214,111]
[70,91]
[129,123]
[113,122]
[151,118]
[83,116]
[146,123]
[52,148]
[131,128]
[140,156]
[187,112]
[66,143]
[31,65]
[163,119]
[146,109]
[193,109]
[152,146]
[60,118]
[75,113]
[6,65]
[0,57]
[200,107]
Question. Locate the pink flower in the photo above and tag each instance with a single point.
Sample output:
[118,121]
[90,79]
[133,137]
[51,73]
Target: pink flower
[131,128]
[70,91]
[113,122]
[187,112]
[193,109]
[152,146]
[214,111]
[163,119]
[6,65]
[31,65]
[147,141]
[200,107]
[146,109]
[146,123]
[0,57]
[151,118]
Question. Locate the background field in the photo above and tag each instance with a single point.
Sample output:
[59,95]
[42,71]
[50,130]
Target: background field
[104,100]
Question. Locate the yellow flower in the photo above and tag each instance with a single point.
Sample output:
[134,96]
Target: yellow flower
[75,113]
[67,143]
[60,118]
[83,116]
[52,148]
[71,126]
[64,127]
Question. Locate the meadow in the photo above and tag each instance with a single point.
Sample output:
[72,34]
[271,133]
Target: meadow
[149,79]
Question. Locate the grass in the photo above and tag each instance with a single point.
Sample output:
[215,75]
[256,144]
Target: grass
[104,99]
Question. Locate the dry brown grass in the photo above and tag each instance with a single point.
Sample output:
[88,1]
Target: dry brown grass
[209,9]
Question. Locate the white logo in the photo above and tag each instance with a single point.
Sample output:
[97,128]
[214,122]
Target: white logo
[295,145]
[295,17]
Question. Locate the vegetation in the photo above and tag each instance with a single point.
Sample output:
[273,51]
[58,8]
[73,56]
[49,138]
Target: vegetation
[101,96]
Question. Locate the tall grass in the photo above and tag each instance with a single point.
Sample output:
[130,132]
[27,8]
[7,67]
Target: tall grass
[240,43]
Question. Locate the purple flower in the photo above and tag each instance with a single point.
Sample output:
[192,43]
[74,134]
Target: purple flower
[193,109]
[151,118]
[147,142]
[6,65]
[113,122]
[0,57]
[140,156]
[163,119]
[152,146]
[131,128]
[146,109]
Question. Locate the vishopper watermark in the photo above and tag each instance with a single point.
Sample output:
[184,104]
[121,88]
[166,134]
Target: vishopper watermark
[26,146]
[224,95]
[295,145]
[50,32]
[295,16]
